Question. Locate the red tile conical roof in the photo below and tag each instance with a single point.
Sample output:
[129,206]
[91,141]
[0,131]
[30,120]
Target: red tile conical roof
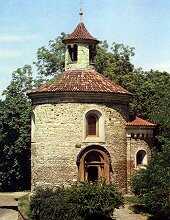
[80,34]
[81,81]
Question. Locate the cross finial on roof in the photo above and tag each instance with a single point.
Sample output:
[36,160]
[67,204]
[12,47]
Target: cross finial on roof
[81,11]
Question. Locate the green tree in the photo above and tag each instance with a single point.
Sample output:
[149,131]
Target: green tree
[15,111]
[151,97]
[115,62]
[50,59]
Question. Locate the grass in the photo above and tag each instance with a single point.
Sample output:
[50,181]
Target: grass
[23,206]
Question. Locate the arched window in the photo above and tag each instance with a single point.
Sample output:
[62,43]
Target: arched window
[141,158]
[92,54]
[72,49]
[75,49]
[92,124]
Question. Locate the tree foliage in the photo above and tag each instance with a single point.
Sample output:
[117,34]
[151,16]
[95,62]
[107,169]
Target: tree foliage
[15,111]
[50,60]
[114,63]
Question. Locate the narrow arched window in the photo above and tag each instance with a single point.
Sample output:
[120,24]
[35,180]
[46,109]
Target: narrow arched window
[92,125]
[92,54]
[73,51]
[141,158]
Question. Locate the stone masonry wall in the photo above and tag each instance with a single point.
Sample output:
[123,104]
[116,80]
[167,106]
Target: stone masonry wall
[133,146]
[57,138]
[140,144]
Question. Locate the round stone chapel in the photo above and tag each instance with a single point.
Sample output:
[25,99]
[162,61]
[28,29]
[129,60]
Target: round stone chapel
[81,130]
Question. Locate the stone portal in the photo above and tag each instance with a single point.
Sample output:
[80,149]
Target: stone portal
[94,164]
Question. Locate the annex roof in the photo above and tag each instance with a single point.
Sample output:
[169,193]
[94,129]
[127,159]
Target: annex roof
[80,34]
[140,122]
[81,81]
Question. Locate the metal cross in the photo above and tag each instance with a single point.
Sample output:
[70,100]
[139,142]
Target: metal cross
[81,11]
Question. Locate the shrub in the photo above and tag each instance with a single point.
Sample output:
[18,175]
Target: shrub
[152,186]
[78,202]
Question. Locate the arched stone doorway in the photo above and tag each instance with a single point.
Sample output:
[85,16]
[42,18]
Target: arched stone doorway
[94,164]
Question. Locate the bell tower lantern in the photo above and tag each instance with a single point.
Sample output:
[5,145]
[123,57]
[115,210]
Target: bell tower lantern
[80,49]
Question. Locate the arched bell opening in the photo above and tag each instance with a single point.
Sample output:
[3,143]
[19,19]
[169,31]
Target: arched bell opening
[92,54]
[94,164]
[73,52]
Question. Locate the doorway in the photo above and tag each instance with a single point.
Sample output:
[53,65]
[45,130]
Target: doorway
[94,164]
[92,174]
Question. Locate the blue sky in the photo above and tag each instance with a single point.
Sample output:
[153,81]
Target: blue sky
[28,25]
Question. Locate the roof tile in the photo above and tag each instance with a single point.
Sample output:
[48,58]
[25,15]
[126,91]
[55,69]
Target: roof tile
[80,33]
[140,122]
[82,81]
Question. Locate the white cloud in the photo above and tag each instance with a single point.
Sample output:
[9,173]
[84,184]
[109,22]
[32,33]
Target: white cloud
[162,66]
[9,53]
[15,38]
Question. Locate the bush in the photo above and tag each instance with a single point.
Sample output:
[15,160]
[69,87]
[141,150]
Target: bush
[152,186]
[78,202]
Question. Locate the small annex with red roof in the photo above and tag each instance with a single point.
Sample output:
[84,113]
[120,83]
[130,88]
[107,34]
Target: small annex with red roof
[80,124]
[140,128]
[140,122]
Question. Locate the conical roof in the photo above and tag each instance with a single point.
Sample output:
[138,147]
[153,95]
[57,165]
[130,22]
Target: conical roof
[80,34]
[81,81]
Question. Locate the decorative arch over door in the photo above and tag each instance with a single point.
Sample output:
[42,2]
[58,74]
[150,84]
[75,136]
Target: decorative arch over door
[94,164]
